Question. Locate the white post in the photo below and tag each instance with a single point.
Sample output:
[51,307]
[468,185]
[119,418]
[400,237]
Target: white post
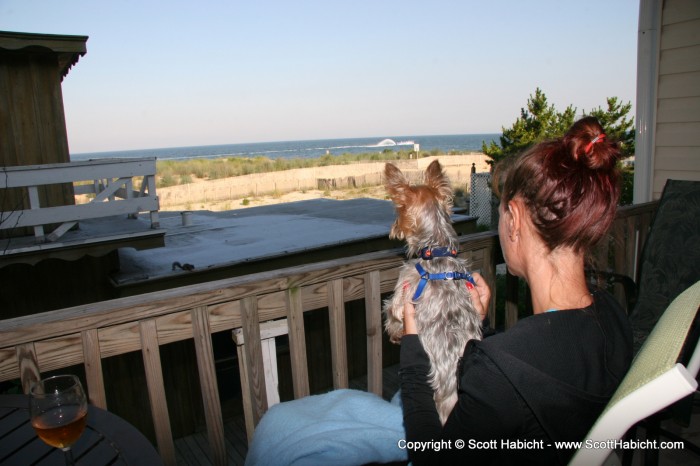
[647,78]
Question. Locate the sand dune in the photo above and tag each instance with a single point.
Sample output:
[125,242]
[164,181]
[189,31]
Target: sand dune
[337,181]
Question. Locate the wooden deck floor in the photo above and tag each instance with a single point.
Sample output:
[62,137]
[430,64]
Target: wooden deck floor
[193,450]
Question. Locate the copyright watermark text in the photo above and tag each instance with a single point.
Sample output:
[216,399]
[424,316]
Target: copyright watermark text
[505,444]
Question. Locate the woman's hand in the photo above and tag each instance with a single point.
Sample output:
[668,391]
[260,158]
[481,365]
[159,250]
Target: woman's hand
[409,318]
[481,295]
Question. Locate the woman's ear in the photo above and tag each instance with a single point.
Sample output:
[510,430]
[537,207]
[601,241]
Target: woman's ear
[514,217]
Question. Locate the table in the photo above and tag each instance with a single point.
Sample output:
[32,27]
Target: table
[108,439]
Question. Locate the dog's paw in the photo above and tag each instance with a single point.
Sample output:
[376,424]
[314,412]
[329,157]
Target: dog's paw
[394,328]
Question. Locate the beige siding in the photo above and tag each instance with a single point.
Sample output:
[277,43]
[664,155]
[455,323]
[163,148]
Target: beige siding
[681,85]
[676,11]
[677,110]
[680,158]
[677,140]
[681,134]
[681,60]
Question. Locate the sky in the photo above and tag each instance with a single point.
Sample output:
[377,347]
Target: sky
[189,73]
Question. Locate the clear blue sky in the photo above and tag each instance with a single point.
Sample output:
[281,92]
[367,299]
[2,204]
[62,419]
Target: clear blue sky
[187,73]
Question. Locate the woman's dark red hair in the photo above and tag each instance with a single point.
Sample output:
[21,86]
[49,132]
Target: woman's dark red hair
[571,185]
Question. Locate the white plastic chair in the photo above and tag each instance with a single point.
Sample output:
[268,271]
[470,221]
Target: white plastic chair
[654,381]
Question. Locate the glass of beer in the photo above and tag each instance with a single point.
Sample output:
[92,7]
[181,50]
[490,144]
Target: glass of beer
[58,409]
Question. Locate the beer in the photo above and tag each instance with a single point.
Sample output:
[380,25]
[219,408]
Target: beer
[62,426]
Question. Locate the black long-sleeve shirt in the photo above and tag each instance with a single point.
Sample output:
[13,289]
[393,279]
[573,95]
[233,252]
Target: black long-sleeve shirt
[543,381]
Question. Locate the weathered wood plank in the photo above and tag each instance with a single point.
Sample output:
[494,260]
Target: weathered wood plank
[28,365]
[120,339]
[252,353]
[268,332]
[246,396]
[56,353]
[269,329]
[373,310]
[336,317]
[224,316]
[297,343]
[207,380]
[156,390]
[93,368]
[150,305]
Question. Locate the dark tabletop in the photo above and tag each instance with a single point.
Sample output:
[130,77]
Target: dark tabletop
[107,440]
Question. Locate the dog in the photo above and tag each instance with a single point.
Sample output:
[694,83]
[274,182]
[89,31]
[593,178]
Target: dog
[435,277]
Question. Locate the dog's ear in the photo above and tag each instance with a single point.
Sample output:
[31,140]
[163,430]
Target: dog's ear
[396,184]
[399,190]
[437,180]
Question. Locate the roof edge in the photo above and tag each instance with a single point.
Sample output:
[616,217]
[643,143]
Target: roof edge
[69,48]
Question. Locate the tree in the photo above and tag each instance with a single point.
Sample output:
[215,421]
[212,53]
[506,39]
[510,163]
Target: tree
[538,122]
[541,121]
[616,124]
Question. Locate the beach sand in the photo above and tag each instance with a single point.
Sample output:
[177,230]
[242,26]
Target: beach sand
[350,181]
[374,192]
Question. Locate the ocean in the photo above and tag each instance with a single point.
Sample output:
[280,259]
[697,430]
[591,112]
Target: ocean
[306,149]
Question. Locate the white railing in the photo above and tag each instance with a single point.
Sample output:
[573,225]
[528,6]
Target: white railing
[111,181]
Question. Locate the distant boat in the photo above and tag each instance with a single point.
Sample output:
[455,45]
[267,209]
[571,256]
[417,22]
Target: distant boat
[386,142]
[391,142]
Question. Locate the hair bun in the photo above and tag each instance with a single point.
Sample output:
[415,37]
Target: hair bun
[588,144]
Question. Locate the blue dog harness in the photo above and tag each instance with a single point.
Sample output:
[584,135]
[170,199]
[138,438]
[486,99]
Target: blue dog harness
[428,254]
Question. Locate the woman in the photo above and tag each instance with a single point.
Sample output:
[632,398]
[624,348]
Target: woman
[547,378]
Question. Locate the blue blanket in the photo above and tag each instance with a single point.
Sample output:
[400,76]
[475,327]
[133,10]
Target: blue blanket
[342,427]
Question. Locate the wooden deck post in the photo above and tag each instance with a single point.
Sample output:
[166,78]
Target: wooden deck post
[93,368]
[373,309]
[297,343]
[252,356]
[201,331]
[156,390]
[336,317]
[28,365]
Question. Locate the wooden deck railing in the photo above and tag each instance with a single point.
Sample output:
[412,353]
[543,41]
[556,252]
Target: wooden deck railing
[87,334]
[111,182]
[622,252]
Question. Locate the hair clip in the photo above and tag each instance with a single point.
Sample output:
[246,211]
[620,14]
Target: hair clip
[598,138]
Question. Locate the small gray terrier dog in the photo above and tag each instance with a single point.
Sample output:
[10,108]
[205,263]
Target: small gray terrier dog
[436,278]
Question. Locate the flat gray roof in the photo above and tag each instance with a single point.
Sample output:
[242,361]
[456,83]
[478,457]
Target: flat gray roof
[228,238]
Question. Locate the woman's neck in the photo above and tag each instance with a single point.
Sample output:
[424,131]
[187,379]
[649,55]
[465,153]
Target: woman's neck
[557,282]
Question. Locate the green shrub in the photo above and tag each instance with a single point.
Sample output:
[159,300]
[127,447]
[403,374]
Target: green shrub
[184,170]
[167,180]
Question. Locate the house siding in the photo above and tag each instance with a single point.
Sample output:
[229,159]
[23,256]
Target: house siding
[677,139]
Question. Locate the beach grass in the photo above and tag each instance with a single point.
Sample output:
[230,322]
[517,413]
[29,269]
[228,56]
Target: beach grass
[176,172]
